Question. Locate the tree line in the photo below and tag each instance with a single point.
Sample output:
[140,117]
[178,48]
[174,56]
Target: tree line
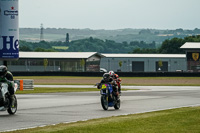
[42,46]
[118,35]
[86,45]
[169,46]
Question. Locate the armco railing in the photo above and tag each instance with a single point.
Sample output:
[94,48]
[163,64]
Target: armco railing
[121,74]
[25,84]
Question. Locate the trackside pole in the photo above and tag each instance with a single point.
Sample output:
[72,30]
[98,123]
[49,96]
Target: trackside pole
[21,87]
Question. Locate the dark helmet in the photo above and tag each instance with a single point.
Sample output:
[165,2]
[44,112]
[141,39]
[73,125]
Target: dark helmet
[3,70]
[106,77]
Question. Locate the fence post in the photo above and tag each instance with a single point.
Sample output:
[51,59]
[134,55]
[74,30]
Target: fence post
[21,85]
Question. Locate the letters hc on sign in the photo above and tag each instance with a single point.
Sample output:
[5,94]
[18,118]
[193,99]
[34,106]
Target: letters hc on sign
[9,29]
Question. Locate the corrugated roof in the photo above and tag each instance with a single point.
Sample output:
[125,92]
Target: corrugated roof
[84,55]
[145,55]
[191,45]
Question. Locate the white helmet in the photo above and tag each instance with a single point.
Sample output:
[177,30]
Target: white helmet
[111,73]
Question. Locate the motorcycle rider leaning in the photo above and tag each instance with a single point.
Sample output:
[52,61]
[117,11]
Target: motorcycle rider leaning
[108,79]
[116,78]
[6,76]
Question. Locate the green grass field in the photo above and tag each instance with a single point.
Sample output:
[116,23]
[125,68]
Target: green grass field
[137,81]
[73,80]
[55,90]
[58,90]
[182,120]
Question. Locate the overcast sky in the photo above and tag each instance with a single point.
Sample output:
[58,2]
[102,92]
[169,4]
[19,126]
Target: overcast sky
[110,14]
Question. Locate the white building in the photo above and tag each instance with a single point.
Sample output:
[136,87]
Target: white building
[144,62]
[93,61]
[192,56]
[56,61]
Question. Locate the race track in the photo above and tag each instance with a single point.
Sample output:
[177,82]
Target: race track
[46,109]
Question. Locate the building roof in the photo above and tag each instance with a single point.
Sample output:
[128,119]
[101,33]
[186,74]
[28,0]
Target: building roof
[85,55]
[145,55]
[191,45]
[60,55]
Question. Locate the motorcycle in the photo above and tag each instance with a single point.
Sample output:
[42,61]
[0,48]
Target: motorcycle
[5,101]
[108,96]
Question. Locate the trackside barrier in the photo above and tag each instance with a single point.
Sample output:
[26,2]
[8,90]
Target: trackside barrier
[21,87]
[25,84]
[121,74]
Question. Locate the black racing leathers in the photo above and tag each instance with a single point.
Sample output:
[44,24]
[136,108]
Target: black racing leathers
[111,81]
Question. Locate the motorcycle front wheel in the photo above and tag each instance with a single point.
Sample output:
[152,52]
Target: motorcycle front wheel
[104,102]
[13,110]
[117,105]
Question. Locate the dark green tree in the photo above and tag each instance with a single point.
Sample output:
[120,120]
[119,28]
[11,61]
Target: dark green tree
[24,48]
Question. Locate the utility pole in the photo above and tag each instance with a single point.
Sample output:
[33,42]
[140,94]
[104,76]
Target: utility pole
[41,33]
[67,39]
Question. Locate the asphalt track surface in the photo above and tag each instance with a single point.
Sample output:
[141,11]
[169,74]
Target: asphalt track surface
[48,109]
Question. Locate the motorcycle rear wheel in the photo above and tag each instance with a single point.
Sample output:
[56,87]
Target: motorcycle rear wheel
[104,102]
[13,110]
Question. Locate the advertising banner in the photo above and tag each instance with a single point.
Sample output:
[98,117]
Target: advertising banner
[193,56]
[9,30]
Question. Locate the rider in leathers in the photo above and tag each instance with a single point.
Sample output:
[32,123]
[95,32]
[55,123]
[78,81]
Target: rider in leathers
[116,78]
[6,76]
[108,79]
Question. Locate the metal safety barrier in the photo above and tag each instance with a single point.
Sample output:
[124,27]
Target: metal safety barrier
[25,84]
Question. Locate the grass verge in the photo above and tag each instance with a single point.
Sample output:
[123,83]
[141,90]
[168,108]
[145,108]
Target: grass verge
[169,121]
[137,81]
[57,90]
[162,84]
